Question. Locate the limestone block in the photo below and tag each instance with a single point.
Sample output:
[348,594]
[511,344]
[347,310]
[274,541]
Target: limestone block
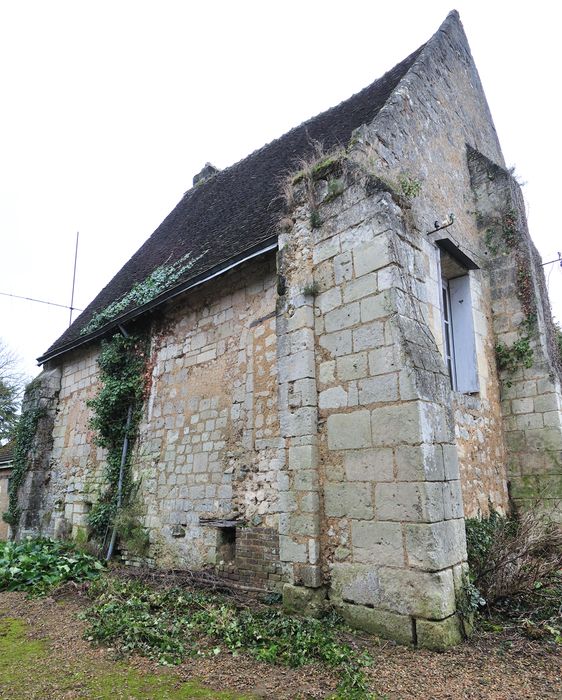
[305,480]
[369,465]
[302,316]
[351,367]
[359,288]
[355,583]
[336,343]
[327,372]
[382,623]
[419,463]
[305,389]
[379,389]
[309,575]
[343,267]
[549,402]
[343,317]
[435,546]
[451,461]
[301,339]
[325,249]
[439,635]
[368,336]
[329,300]
[452,500]
[301,421]
[300,365]
[395,425]
[377,543]
[409,501]
[419,593]
[373,255]
[384,360]
[310,502]
[336,397]
[304,601]
[304,524]
[376,307]
[303,457]
[348,500]
[292,551]
[349,431]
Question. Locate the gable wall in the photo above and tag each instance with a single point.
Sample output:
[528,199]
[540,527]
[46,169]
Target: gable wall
[422,133]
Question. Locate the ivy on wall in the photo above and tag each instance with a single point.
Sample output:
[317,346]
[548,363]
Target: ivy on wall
[24,435]
[505,238]
[123,374]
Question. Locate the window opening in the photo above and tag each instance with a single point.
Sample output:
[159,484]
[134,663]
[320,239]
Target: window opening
[226,544]
[448,337]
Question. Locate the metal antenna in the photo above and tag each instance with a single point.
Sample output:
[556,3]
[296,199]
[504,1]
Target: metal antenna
[73,279]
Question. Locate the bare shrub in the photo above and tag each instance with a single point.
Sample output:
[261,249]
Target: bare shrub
[512,556]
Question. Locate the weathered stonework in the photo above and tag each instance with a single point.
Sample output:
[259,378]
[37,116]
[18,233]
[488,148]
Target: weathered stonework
[4,479]
[301,432]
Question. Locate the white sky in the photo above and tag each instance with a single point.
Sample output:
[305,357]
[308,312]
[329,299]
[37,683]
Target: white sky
[110,107]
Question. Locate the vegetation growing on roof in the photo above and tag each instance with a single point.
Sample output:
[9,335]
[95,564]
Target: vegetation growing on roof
[24,435]
[158,281]
[123,375]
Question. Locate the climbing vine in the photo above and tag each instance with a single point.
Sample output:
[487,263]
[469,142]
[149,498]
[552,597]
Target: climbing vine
[23,439]
[123,375]
[158,281]
[504,237]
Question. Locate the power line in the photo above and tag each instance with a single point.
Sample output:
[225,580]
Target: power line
[40,301]
[558,259]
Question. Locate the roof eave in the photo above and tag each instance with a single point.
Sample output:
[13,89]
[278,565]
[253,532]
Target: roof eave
[220,269]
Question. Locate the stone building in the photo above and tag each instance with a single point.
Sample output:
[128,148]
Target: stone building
[351,349]
[6,458]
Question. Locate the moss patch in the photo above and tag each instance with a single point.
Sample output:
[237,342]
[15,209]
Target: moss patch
[28,671]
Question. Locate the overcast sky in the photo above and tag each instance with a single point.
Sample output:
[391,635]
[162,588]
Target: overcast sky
[110,107]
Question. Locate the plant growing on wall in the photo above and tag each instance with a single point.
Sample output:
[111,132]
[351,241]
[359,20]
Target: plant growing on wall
[24,435]
[158,281]
[117,411]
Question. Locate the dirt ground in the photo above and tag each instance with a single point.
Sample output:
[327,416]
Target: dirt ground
[493,666]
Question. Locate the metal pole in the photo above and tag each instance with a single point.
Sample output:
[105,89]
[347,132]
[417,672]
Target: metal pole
[120,482]
[121,469]
[73,278]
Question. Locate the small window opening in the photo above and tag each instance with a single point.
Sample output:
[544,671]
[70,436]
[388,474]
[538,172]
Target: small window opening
[226,544]
[459,343]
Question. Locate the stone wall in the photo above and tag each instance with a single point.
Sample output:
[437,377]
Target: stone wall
[4,478]
[36,499]
[531,395]
[209,446]
[421,134]
[390,545]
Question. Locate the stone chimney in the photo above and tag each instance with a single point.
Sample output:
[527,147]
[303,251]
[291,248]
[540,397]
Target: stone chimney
[208,171]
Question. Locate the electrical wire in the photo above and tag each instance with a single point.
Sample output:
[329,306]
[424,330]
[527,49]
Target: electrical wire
[40,301]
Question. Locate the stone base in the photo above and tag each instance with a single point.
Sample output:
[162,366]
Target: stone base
[310,602]
[439,634]
[383,623]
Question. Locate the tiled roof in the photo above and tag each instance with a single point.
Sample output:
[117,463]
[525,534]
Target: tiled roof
[233,212]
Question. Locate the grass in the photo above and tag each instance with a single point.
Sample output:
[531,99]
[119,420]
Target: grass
[28,670]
